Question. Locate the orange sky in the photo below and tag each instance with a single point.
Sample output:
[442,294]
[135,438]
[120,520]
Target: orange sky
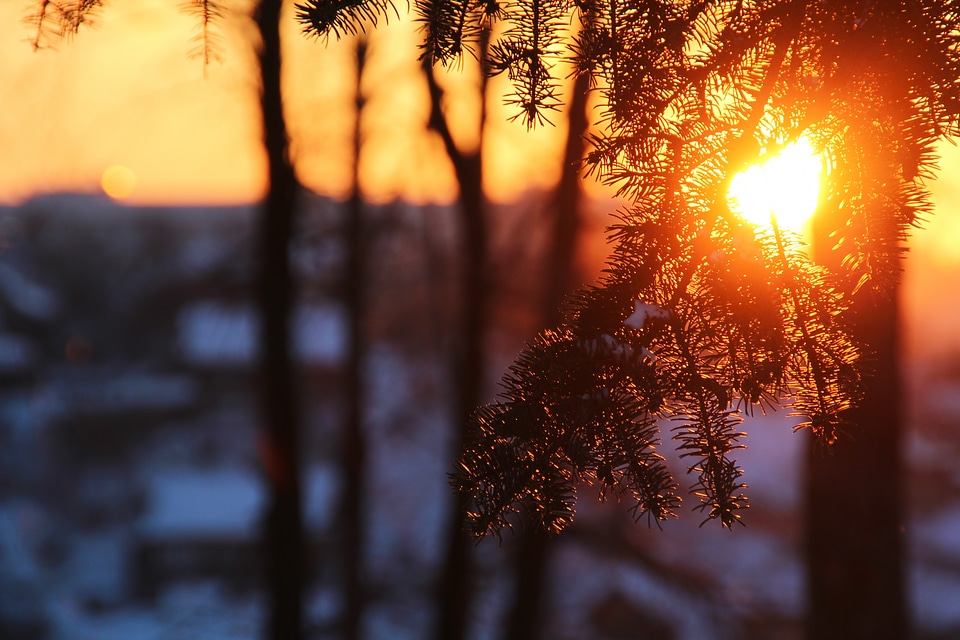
[126,93]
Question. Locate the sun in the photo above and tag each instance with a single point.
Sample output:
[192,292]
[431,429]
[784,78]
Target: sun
[118,181]
[785,187]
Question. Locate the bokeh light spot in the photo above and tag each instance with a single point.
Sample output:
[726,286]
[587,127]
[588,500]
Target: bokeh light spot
[118,181]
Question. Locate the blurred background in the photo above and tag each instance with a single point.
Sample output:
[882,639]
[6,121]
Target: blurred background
[131,491]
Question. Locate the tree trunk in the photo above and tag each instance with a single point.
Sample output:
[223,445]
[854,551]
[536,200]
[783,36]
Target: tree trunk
[453,595]
[454,586]
[854,535]
[354,442]
[283,533]
[561,267]
[854,523]
[533,550]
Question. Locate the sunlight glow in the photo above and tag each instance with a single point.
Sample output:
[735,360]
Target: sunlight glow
[785,186]
[118,181]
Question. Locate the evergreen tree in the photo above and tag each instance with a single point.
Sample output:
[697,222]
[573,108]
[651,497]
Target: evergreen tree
[533,551]
[700,317]
[725,317]
[275,297]
[354,450]
[453,588]
[51,21]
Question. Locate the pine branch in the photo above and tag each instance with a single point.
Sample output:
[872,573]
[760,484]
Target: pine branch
[709,438]
[700,317]
[206,41]
[525,53]
[72,15]
[448,26]
[572,410]
[52,21]
[320,18]
[39,21]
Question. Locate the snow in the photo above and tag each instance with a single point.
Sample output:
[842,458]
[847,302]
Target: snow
[643,311]
[208,504]
[14,555]
[934,580]
[320,334]
[192,610]
[322,487]
[396,622]
[107,391]
[29,298]
[96,567]
[213,333]
[940,532]
[227,503]
[408,462]
[608,346]
[581,581]
[934,597]
[16,353]
[773,459]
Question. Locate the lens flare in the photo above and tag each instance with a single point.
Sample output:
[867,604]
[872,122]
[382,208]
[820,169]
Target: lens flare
[118,181]
[785,186]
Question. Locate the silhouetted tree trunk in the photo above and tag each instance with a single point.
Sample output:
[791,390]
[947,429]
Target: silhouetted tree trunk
[532,552]
[354,442]
[453,595]
[561,265]
[281,420]
[854,538]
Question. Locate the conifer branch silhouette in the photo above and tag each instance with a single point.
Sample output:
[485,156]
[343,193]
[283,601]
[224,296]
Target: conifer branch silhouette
[321,18]
[206,41]
[75,14]
[700,317]
[526,53]
[52,21]
[448,27]
[39,20]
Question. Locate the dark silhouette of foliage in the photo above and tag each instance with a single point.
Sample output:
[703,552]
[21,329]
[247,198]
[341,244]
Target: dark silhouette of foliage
[452,28]
[744,317]
[454,586]
[276,290]
[52,21]
[206,41]
[699,316]
[320,18]
[354,448]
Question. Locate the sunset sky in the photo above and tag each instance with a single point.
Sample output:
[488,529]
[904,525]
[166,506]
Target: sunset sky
[125,93]
[124,97]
